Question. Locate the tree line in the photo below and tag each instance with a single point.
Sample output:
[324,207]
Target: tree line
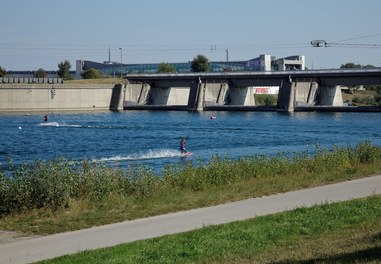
[200,63]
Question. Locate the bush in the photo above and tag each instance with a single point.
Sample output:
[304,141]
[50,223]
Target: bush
[52,184]
[266,99]
[365,101]
[91,74]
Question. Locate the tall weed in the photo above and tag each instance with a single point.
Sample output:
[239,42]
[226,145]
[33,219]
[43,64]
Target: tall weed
[53,184]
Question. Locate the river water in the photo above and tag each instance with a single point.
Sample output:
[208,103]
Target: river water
[152,138]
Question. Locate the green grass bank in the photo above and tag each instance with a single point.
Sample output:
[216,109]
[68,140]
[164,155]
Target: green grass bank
[47,197]
[347,232]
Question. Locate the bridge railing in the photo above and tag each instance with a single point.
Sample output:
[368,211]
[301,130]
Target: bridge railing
[30,80]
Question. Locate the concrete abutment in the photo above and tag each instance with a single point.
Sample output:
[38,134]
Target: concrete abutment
[304,93]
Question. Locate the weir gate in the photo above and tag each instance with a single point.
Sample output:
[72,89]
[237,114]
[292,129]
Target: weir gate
[308,90]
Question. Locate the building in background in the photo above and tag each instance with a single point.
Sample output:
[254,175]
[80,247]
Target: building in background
[262,63]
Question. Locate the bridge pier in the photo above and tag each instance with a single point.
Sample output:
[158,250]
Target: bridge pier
[241,96]
[229,90]
[330,95]
[286,96]
[136,94]
[201,87]
[307,93]
[223,94]
[175,95]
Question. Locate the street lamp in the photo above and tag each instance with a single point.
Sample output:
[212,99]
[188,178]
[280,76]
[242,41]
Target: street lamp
[121,60]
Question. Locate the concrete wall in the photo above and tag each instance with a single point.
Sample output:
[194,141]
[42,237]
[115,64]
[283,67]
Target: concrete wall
[330,95]
[178,96]
[299,94]
[286,96]
[214,93]
[170,96]
[305,93]
[57,97]
[137,93]
[144,94]
[242,96]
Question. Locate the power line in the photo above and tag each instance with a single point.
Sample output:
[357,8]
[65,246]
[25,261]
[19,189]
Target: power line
[361,37]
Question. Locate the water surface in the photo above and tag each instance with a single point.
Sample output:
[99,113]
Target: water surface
[152,138]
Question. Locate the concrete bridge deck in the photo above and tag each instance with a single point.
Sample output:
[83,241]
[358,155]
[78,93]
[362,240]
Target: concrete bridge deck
[311,90]
[348,77]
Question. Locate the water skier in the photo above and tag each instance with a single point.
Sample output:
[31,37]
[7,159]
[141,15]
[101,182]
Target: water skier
[182,146]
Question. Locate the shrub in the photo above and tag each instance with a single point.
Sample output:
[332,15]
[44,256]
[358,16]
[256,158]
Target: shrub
[52,184]
[91,74]
[266,99]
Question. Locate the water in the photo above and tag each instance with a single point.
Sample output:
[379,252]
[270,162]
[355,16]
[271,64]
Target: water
[152,138]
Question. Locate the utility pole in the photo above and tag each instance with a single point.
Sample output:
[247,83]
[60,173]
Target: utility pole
[121,61]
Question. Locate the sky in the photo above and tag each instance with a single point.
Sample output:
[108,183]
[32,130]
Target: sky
[42,33]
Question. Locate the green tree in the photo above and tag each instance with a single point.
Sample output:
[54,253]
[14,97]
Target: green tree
[165,68]
[350,65]
[3,72]
[41,73]
[91,74]
[64,70]
[200,63]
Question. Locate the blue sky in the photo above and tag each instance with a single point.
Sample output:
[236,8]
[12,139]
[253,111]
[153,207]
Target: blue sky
[42,33]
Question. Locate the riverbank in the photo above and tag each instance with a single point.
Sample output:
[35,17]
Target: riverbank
[237,238]
[58,196]
[345,232]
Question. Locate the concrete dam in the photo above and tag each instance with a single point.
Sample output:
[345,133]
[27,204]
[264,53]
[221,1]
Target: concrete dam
[225,96]
[231,91]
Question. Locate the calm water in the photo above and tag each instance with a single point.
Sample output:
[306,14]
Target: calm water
[153,138]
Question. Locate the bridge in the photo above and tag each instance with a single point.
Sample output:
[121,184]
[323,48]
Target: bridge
[308,89]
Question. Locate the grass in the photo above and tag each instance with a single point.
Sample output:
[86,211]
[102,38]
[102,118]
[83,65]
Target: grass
[347,232]
[266,99]
[361,97]
[56,196]
[97,81]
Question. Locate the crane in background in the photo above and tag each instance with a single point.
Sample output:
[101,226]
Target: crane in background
[323,43]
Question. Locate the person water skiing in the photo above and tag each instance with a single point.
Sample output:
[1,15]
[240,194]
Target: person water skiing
[182,146]
[46,118]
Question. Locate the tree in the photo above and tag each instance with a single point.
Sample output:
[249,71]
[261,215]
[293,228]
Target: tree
[41,73]
[200,63]
[3,72]
[64,70]
[91,74]
[350,65]
[165,68]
